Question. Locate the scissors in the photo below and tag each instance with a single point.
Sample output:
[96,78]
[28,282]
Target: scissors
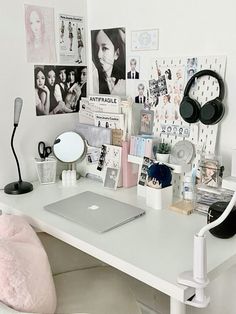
[43,150]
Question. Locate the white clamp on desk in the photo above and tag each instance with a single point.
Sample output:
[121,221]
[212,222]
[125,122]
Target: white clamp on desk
[198,277]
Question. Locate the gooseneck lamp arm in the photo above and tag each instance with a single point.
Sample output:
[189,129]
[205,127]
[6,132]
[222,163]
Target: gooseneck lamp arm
[197,279]
[14,153]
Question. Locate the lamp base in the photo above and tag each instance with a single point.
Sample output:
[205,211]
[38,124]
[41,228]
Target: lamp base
[18,187]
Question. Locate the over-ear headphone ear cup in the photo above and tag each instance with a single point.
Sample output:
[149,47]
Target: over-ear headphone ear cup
[189,109]
[212,112]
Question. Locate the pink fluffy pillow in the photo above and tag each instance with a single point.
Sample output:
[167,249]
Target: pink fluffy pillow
[26,282]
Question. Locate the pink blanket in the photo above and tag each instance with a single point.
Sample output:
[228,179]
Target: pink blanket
[26,282]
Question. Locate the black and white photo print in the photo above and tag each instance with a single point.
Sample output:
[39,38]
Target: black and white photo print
[109,61]
[59,89]
[111,178]
[133,68]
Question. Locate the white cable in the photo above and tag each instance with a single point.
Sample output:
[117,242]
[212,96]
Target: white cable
[221,218]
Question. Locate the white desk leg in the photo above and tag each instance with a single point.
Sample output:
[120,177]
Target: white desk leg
[177,307]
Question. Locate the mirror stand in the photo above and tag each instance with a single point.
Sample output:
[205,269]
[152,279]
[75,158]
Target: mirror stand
[72,166]
[69,147]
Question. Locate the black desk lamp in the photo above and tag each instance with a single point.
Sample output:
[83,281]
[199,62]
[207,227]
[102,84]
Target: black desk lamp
[18,187]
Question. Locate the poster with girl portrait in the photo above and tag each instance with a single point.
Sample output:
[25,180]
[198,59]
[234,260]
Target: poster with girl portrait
[109,61]
[59,89]
[40,36]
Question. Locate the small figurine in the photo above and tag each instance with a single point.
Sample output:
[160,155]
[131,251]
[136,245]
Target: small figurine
[159,176]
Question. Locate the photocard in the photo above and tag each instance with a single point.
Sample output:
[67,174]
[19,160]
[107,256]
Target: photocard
[111,178]
[210,170]
[146,121]
[133,68]
[93,155]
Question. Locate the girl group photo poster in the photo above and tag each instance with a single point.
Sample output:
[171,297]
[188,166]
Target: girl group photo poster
[59,88]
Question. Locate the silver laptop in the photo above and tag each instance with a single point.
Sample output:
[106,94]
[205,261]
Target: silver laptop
[95,211]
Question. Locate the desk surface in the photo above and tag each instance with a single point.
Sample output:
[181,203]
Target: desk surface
[154,248]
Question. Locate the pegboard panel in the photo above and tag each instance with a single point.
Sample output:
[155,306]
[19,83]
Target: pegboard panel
[171,75]
[204,90]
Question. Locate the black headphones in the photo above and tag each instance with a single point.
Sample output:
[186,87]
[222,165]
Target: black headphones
[211,112]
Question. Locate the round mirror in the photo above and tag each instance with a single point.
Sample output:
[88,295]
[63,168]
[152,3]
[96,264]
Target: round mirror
[69,147]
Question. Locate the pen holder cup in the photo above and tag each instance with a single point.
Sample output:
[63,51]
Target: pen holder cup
[159,198]
[46,170]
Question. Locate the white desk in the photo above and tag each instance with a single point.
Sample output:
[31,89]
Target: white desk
[154,248]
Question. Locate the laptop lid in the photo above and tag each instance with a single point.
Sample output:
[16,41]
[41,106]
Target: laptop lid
[96,212]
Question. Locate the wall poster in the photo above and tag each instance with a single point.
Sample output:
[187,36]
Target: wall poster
[59,89]
[109,61]
[72,39]
[40,35]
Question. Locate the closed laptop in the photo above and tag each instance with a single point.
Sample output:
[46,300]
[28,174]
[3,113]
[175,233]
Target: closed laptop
[95,211]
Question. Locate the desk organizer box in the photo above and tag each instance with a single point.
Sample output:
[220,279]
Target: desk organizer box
[46,170]
[159,198]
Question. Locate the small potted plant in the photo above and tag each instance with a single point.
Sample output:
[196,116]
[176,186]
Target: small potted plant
[162,152]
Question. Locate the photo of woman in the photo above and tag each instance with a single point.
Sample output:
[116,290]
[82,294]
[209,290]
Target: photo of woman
[42,93]
[62,31]
[71,36]
[56,103]
[146,121]
[108,54]
[210,172]
[80,45]
[40,41]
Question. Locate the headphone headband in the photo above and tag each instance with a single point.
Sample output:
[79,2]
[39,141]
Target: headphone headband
[210,73]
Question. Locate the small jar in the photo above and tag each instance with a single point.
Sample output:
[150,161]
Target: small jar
[188,188]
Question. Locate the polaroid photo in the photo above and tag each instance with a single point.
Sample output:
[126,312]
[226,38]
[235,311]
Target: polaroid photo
[139,92]
[146,122]
[111,178]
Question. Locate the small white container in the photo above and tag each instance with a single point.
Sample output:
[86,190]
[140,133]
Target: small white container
[141,190]
[162,157]
[46,170]
[159,198]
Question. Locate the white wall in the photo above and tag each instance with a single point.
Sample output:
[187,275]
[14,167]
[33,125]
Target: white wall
[16,80]
[186,28]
